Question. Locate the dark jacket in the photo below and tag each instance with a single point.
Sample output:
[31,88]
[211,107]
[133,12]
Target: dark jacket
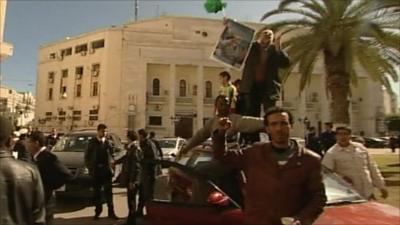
[23,153]
[21,192]
[54,173]
[275,60]
[51,140]
[272,191]
[91,159]
[149,151]
[327,139]
[312,143]
[131,169]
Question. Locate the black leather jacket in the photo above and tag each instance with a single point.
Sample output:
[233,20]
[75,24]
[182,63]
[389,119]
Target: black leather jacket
[21,192]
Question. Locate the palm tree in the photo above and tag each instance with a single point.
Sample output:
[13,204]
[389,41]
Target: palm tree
[345,33]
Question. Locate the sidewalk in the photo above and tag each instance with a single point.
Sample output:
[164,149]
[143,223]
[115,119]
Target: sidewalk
[382,151]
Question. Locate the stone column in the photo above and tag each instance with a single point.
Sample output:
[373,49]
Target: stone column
[172,98]
[200,96]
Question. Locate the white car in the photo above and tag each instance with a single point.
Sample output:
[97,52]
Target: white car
[170,147]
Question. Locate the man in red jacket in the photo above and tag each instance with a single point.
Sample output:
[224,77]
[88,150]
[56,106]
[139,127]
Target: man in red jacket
[283,178]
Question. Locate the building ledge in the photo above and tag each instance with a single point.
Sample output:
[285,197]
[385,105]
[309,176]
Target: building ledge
[6,50]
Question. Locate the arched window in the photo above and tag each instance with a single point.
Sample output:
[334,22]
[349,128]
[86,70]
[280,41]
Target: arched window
[182,88]
[208,89]
[156,87]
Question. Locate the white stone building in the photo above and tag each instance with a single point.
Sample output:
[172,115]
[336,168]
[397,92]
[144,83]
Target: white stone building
[157,74]
[18,106]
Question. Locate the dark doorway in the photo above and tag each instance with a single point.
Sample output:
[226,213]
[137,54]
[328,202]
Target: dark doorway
[184,127]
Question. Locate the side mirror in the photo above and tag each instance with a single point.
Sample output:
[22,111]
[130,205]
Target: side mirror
[218,199]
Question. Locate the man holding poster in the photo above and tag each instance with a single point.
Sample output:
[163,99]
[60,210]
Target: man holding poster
[261,83]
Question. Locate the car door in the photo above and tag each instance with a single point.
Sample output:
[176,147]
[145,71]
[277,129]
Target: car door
[182,197]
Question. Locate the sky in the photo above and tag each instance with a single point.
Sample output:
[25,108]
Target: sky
[31,23]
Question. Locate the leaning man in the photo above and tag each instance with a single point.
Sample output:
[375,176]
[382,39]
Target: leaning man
[283,178]
[352,161]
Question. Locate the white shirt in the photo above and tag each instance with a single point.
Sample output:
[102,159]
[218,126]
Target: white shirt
[37,153]
[354,162]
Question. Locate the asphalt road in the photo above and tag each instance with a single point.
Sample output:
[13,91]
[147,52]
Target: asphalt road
[74,210]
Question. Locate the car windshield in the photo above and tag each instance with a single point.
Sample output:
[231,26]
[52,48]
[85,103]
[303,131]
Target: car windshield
[167,143]
[337,190]
[72,143]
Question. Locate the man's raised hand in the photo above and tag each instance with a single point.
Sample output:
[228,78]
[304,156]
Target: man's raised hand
[224,124]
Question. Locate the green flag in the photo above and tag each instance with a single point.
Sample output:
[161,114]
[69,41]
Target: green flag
[214,6]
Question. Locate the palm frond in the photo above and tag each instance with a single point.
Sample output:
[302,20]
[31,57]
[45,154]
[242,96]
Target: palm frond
[290,11]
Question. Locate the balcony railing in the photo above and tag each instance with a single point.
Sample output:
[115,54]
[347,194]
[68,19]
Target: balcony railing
[156,99]
[184,100]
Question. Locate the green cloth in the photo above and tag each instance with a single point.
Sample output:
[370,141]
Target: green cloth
[214,6]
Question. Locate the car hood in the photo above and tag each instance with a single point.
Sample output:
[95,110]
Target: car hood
[71,159]
[168,150]
[360,214]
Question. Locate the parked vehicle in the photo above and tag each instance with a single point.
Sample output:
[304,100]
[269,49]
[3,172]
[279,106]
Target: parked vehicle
[374,142]
[170,147]
[70,150]
[185,195]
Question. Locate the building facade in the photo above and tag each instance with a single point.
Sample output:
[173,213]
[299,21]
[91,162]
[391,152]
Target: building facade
[6,49]
[19,107]
[157,74]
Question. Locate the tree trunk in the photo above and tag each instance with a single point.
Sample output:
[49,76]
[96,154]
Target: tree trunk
[338,85]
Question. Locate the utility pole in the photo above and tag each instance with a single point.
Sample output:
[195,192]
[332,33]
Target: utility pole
[136,9]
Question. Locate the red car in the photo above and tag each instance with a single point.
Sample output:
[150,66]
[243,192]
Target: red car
[194,191]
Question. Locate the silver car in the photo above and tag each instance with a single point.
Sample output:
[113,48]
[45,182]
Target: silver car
[170,147]
[70,150]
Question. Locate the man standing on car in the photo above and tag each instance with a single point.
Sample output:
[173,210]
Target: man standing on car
[54,174]
[283,178]
[100,162]
[261,84]
[239,124]
[352,161]
[21,188]
[148,172]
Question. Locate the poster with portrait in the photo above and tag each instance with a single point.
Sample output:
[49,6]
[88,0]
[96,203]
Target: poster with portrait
[233,45]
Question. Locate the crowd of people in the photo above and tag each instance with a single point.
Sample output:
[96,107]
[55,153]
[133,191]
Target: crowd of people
[281,175]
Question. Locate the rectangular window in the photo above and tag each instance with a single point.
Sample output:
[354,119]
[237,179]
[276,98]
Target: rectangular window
[76,115]
[79,72]
[92,118]
[81,48]
[64,73]
[50,94]
[52,55]
[95,89]
[76,118]
[155,120]
[96,69]
[63,90]
[66,52]
[62,113]
[94,111]
[78,90]
[98,44]
[51,77]
[49,113]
